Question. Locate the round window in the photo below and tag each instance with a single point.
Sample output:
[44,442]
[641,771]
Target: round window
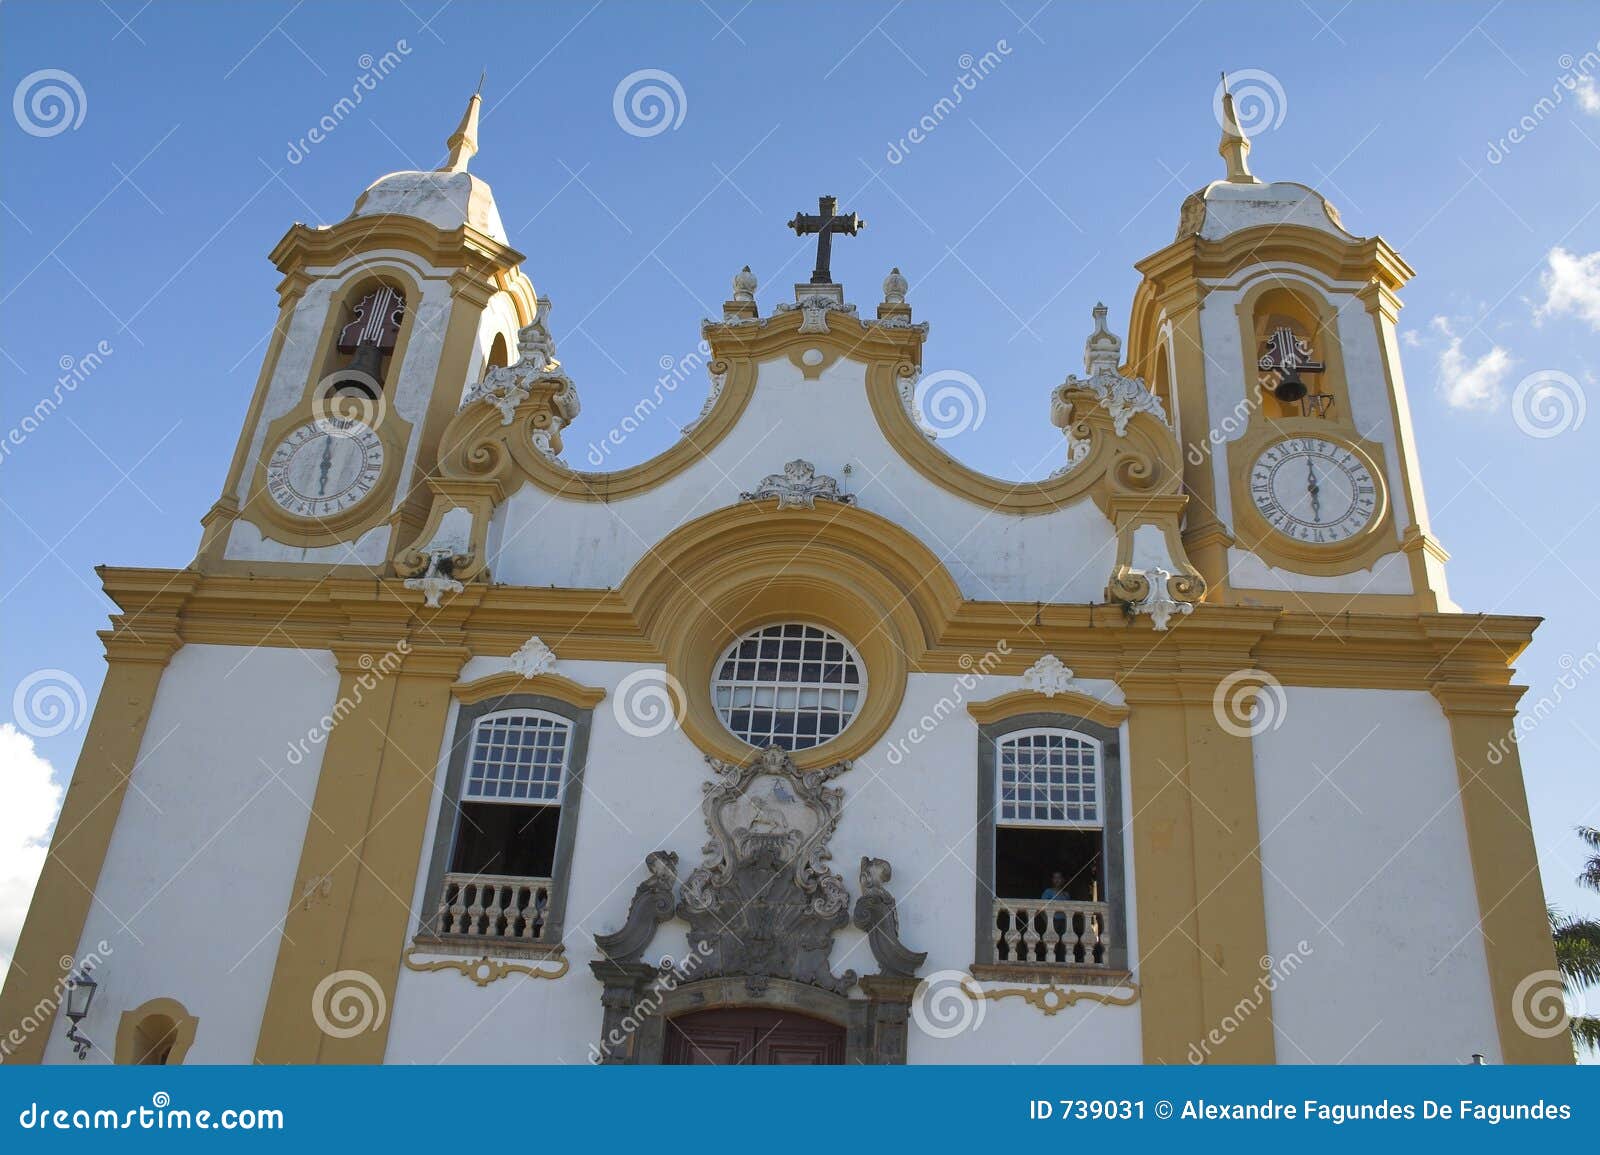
[789,685]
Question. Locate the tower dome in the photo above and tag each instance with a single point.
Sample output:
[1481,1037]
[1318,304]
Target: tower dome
[447,197]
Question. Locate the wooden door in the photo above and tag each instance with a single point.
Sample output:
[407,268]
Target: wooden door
[752,1036]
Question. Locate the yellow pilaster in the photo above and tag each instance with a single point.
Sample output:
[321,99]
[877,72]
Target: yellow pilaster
[137,651]
[352,903]
[1201,909]
[1505,866]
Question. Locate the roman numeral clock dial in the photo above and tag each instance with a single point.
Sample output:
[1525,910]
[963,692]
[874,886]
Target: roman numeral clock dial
[1314,490]
[324,467]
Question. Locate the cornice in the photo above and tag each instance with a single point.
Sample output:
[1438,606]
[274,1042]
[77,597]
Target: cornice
[1191,258]
[464,247]
[162,609]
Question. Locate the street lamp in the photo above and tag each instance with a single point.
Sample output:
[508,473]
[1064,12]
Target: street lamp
[80,994]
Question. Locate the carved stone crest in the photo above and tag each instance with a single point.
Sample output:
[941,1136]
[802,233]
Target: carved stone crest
[1049,676]
[815,308]
[799,486]
[764,903]
[533,658]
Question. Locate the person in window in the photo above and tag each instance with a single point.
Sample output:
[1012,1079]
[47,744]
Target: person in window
[1057,890]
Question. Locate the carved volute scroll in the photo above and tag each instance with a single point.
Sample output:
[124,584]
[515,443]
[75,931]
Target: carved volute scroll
[652,904]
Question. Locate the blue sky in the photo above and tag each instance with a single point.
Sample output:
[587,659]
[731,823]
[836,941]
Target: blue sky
[146,227]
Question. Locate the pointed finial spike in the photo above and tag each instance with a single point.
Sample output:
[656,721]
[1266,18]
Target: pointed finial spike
[482,76]
[463,143]
[1235,146]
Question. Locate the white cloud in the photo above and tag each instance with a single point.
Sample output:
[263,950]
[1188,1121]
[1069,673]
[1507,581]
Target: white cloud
[32,801]
[1468,383]
[1571,286]
[1588,95]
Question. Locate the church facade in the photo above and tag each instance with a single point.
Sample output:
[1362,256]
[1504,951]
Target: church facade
[803,741]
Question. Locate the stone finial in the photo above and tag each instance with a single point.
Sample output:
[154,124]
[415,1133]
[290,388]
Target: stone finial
[894,311]
[1103,349]
[1235,146]
[463,143]
[742,305]
[894,288]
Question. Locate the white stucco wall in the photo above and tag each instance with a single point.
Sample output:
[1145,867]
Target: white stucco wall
[642,794]
[1364,859]
[1065,555]
[201,866]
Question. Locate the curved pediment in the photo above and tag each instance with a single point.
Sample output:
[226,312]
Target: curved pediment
[812,379]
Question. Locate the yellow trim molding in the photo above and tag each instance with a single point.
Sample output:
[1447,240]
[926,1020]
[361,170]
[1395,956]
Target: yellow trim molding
[1032,702]
[359,859]
[1505,864]
[1197,874]
[1053,999]
[486,970]
[557,686]
[131,1039]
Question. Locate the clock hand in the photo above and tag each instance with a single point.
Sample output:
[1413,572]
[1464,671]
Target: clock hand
[325,466]
[1313,489]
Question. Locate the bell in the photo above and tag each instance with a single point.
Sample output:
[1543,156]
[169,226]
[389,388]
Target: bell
[1289,388]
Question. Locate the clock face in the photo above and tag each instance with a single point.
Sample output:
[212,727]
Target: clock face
[1313,490]
[324,467]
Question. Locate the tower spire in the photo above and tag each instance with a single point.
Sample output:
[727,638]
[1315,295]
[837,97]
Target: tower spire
[1235,146]
[463,144]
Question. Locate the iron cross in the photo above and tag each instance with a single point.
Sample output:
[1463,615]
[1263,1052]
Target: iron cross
[825,223]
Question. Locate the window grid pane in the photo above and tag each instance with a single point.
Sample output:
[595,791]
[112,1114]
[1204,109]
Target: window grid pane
[789,684]
[518,757]
[1049,778]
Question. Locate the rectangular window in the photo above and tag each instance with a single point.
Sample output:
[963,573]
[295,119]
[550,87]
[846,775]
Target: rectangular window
[499,876]
[1049,904]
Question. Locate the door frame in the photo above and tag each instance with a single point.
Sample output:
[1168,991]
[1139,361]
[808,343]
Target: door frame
[637,1007]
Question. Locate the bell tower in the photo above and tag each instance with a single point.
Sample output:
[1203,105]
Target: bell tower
[385,321]
[1269,329]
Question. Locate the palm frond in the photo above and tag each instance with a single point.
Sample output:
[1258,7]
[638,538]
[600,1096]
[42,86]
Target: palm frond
[1586,1032]
[1589,876]
[1577,943]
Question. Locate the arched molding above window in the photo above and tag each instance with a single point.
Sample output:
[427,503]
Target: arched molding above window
[155,1033]
[1064,704]
[547,685]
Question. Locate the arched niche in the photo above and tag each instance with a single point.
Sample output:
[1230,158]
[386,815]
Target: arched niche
[1281,302]
[157,1033]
